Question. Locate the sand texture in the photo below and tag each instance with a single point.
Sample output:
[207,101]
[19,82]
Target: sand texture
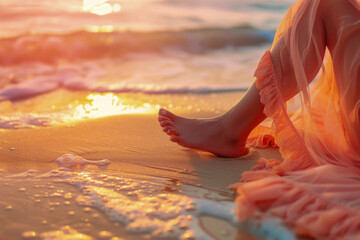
[136,148]
[133,143]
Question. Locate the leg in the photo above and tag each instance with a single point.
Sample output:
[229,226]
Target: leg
[342,17]
[226,135]
[222,136]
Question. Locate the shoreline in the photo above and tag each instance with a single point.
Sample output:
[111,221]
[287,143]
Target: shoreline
[134,144]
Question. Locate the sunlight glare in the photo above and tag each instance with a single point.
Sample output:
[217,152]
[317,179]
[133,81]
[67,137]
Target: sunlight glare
[89,4]
[100,7]
[116,7]
[102,105]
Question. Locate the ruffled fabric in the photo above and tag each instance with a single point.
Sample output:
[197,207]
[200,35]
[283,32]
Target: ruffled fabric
[316,188]
[318,201]
[284,133]
[309,208]
[261,137]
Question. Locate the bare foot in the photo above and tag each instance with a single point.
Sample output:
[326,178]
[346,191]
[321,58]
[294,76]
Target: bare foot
[216,135]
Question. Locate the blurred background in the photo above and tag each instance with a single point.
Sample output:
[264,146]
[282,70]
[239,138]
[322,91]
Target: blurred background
[72,48]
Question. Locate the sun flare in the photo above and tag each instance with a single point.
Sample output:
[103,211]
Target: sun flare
[102,105]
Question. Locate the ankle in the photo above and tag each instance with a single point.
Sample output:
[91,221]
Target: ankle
[232,129]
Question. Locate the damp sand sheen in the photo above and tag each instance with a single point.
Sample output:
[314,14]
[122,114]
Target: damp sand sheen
[120,178]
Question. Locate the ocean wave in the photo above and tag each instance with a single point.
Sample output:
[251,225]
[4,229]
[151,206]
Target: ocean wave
[224,70]
[86,44]
[31,89]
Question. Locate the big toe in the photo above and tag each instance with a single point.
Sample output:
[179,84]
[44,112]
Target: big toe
[166,113]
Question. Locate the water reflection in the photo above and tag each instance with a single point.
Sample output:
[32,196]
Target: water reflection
[103,29]
[102,105]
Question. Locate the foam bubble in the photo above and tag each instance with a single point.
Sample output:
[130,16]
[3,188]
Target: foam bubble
[105,235]
[64,233]
[71,161]
[29,235]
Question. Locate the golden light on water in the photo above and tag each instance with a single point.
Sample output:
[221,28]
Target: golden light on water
[100,7]
[97,29]
[102,105]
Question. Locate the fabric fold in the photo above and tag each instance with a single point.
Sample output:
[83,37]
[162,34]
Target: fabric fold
[315,190]
[286,136]
[308,213]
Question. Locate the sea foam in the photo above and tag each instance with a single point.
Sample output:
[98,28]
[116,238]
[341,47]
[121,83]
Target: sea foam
[141,205]
[170,73]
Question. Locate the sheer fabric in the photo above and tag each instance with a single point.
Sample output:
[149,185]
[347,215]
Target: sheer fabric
[316,188]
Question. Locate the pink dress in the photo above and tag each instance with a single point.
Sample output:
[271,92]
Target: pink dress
[316,189]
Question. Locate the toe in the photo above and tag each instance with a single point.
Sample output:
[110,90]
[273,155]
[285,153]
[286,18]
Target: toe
[172,132]
[178,140]
[166,123]
[175,139]
[162,118]
[165,113]
[167,128]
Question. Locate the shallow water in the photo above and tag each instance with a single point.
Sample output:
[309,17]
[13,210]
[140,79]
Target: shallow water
[106,81]
[81,49]
[177,47]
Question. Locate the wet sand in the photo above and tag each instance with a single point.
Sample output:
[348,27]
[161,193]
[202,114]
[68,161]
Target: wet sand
[136,147]
[134,144]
